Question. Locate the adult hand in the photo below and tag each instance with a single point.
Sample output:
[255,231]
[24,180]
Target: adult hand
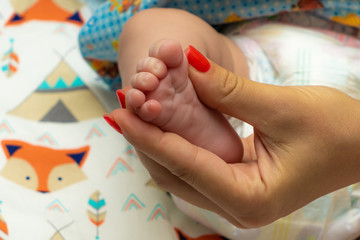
[306,143]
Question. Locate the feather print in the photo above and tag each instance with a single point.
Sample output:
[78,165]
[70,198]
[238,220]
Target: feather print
[3,225]
[96,215]
[11,60]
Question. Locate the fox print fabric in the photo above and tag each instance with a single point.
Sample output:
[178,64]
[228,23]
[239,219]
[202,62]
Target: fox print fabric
[99,36]
[41,168]
[64,173]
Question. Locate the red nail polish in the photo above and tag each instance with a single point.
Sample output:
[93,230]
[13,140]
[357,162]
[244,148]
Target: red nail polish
[121,98]
[197,60]
[112,123]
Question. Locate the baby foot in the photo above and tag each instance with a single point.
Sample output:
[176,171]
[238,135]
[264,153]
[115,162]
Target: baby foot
[163,94]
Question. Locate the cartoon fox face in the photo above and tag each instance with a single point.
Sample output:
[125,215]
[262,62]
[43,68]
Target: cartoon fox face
[40,168]
[48,10]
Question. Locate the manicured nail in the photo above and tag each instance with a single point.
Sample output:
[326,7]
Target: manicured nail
[197,60]
[121,98]
[112,123]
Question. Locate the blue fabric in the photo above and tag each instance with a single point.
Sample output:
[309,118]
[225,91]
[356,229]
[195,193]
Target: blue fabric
[99,36]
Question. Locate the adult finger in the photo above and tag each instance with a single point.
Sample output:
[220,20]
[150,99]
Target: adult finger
[226,185]
[169,182]
[234,95]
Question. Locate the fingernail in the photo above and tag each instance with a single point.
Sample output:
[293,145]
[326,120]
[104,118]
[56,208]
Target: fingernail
[197,60]
[112,123]
[121,98]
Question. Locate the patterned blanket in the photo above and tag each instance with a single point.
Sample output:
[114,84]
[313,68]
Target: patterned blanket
[99,36]
[64,173]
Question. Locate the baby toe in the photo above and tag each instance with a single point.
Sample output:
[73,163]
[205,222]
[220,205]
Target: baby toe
[168,51]
[152,65]
[150,110]
[135,98]
[144,81]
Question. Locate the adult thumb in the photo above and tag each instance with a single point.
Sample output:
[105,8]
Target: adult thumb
[228,93]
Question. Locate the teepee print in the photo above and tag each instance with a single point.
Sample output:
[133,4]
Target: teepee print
[60,98]
[57,234]
[96,215]
[10,61]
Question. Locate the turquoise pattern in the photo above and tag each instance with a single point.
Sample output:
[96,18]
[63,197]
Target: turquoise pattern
[98,37]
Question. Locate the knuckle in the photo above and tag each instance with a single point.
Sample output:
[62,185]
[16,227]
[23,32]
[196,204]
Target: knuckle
[230,84]
[231,87]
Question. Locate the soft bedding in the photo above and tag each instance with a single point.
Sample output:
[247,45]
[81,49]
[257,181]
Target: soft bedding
[99,36]
[65,174]
[289,55]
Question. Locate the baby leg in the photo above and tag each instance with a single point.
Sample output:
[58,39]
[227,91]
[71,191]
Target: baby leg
[149,26]
[162,92]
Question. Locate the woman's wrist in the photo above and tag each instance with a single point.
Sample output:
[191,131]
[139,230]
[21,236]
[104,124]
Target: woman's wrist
[348,144]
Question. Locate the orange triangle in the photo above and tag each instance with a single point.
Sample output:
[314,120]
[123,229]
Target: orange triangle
[45,10]
[3,227]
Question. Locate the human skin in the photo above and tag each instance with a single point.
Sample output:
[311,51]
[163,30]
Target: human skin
[149,26]
[305,144]
[156,69]
[162,94]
